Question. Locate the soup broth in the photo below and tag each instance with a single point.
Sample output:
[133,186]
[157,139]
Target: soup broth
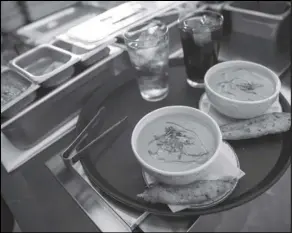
[242,84]
[176,143]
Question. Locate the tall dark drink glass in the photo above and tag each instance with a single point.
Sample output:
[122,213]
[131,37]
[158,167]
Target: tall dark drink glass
[200,33]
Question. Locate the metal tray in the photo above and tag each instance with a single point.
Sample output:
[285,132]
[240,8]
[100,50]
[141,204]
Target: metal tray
[45,29]
[87,57]
[18,103]
[94,204]
[40,9]
[57,107]
[147,11]
[33,63]
[117,173]
[246,18]
[277,10]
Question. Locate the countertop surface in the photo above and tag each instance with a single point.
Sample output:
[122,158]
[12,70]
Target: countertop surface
[40,203]
[37,199]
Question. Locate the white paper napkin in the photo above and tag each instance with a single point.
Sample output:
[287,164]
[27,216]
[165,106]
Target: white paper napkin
[205,106]
[226,164]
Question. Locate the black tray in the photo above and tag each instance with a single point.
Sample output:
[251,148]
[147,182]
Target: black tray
[117,173]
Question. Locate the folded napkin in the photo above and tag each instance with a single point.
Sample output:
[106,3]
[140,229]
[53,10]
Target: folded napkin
[226,164]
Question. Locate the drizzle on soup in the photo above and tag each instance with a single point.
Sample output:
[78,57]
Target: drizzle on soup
[242,84]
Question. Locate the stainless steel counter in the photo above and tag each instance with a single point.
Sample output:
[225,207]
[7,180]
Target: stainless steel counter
[99,207]
[102,209]
[249,217]
[24,135]
[40,203]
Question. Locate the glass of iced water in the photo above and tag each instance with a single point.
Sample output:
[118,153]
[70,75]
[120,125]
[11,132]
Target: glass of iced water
[148,48]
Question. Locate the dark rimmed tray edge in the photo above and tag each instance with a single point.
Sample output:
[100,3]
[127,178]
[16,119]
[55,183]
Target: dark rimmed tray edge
[189,213]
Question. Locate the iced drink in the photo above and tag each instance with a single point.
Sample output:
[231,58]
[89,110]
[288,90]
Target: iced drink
[148,48]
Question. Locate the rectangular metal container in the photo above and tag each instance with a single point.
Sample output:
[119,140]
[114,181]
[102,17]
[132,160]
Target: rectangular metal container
[87,57]
[18,103]
[111,24]
[40,9]
[258,18]
[49,113]
[46,29]
[33,63]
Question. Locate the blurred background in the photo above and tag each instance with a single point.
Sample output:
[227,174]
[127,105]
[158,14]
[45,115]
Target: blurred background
[65,14]
[15,14]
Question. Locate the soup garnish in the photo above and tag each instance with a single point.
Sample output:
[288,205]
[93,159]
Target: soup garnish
[242,84]
[176,143]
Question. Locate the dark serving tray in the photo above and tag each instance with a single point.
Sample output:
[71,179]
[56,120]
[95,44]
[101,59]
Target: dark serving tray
[117,173]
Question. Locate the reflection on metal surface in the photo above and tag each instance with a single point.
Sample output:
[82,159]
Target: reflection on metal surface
[12,157]
[50,109]
[59,104]
[286,91]
[106,213]
[108,30]
[92,204]
[250,48]
[45,29]
[102,210]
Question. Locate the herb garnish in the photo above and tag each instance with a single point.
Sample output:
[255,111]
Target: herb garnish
[243,85]
[174,140]
[249,87]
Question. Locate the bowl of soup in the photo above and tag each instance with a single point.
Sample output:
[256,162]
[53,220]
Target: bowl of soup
[176,144]
[241,89]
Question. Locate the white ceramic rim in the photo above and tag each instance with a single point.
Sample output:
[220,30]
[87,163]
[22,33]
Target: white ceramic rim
[138,129]
[217,67]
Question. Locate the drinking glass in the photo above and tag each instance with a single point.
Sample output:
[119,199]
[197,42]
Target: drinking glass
[200,34]
[148,48]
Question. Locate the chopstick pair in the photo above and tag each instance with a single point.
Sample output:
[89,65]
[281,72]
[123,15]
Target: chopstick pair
[73,153]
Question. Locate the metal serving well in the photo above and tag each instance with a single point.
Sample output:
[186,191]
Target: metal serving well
[46,65]
[27,128]
[258,18]
[87,57]
[20,101]
[47,28]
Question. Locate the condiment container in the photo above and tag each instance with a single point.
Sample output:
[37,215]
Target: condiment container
[46,64]
[258,18]
[87,56]
[17,92]
[46,115]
